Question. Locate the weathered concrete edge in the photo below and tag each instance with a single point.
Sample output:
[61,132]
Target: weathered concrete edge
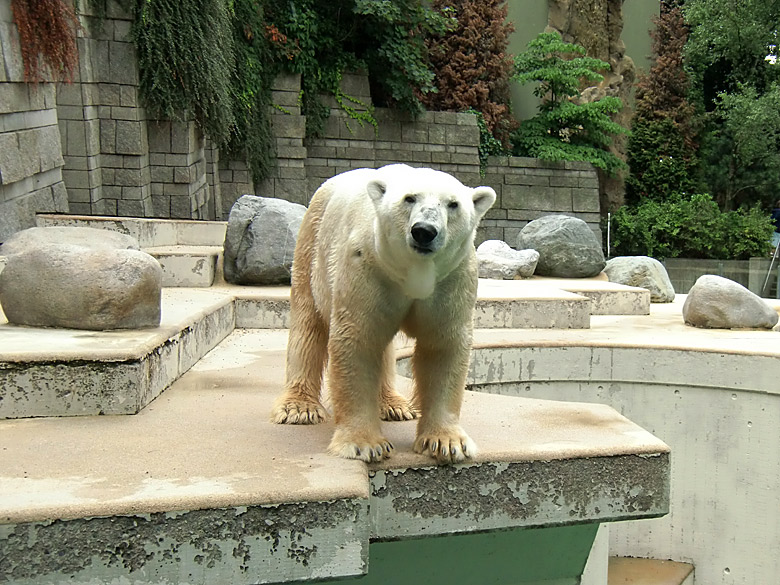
[610,363]
[253,544]
[410,503]
[109,387]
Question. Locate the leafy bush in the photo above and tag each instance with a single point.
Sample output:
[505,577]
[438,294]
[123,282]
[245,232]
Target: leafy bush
[692,227]
[564,129]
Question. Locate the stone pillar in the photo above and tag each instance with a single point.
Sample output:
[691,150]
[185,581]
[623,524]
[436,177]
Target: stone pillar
[180,188]
[30,149]
[103,126]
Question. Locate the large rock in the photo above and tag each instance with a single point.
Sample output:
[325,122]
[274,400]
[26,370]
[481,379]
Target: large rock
[567,247]
[719,303]
[643,272]
[498,260]
[66,285]
[260,240]
[80,236]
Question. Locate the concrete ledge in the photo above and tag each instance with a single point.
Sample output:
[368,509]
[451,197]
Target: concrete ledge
[187,266]
[63,372]
[200,488]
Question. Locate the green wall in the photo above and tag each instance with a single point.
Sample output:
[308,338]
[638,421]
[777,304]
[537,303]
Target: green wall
[532,556]
[637,22]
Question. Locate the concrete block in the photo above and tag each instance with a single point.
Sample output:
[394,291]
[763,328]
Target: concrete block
[49,148]
[14,97]
[11,164]
[123,63]
[107,138]
[130,137]
[109,94]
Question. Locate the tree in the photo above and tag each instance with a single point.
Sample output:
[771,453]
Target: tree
[731,57]
[472,64]
[662,146]
[564,129]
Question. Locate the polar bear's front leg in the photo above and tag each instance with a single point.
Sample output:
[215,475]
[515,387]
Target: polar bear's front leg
[393,406]
[356,363]
[440,377]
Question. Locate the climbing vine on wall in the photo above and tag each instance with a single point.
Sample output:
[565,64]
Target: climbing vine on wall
[47,38]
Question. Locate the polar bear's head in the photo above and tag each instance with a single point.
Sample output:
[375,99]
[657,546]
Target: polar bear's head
[426,212]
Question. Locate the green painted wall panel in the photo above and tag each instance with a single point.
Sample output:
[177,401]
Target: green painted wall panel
[538,556]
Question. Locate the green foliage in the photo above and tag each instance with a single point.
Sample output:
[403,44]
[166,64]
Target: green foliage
[692,227]
[564,129]
[181,73]
[662,148]
[489,145]
[661,163]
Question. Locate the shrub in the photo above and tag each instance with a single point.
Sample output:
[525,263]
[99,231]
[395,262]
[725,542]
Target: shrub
[472,64]
[564,129]
[692,227]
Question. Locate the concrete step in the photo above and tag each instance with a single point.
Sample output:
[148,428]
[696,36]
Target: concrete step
[607,298]
[188,266]
[149,232]
[630,571]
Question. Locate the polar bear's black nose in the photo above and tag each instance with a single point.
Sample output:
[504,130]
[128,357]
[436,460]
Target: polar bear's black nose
[424,233]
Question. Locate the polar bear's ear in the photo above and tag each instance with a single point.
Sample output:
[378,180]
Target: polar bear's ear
[483,198]
[376,190]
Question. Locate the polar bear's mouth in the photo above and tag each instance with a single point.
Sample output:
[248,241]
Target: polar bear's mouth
[424,250]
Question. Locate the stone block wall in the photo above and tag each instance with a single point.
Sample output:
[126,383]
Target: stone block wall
[31,162]
[528,188]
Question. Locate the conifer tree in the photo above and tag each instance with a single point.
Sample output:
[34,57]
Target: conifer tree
[472,64]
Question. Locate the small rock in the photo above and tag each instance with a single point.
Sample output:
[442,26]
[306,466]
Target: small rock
[643,272]
[260,240]
[498,260]
[65,285]
[567,247]
[92,238]
[719,303]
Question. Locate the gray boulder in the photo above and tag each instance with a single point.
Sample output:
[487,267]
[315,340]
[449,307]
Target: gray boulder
[643,272]
[80,236]
[567,247]
[66,285]
[498,260]
[715,302]
[260,240]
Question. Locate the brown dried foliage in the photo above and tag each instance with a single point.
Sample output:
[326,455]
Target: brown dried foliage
[662,93]
[472,64]
[47,38]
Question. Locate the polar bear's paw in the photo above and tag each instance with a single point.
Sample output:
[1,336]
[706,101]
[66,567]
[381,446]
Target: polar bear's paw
[365,448]
[291,411]
[446,445]
[396,407]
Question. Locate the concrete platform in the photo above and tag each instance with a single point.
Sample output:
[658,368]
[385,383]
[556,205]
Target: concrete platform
[200,488]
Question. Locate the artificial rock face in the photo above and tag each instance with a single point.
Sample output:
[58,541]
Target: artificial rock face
[499,261]
[719,303]
[567,247]
[643,272]
[383,250]
[260,240]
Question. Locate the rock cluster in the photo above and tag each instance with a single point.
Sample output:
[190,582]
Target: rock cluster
[643,272]
[719,303]
[260,240]
[79,278]
[567,247]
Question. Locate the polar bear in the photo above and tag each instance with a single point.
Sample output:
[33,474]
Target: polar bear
[383,250]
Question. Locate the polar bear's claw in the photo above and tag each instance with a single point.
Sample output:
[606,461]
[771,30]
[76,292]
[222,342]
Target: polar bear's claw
[298,413]
[369,452]
[396,407]
[446,447]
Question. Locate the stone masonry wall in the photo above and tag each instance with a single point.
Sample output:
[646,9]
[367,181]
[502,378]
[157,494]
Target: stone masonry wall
[526,188]
[30,150]
[110,158]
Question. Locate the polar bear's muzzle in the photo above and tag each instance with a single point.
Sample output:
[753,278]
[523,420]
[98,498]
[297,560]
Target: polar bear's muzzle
[424,237]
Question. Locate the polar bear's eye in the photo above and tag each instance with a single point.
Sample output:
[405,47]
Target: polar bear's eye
[452,205]
[410,199]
